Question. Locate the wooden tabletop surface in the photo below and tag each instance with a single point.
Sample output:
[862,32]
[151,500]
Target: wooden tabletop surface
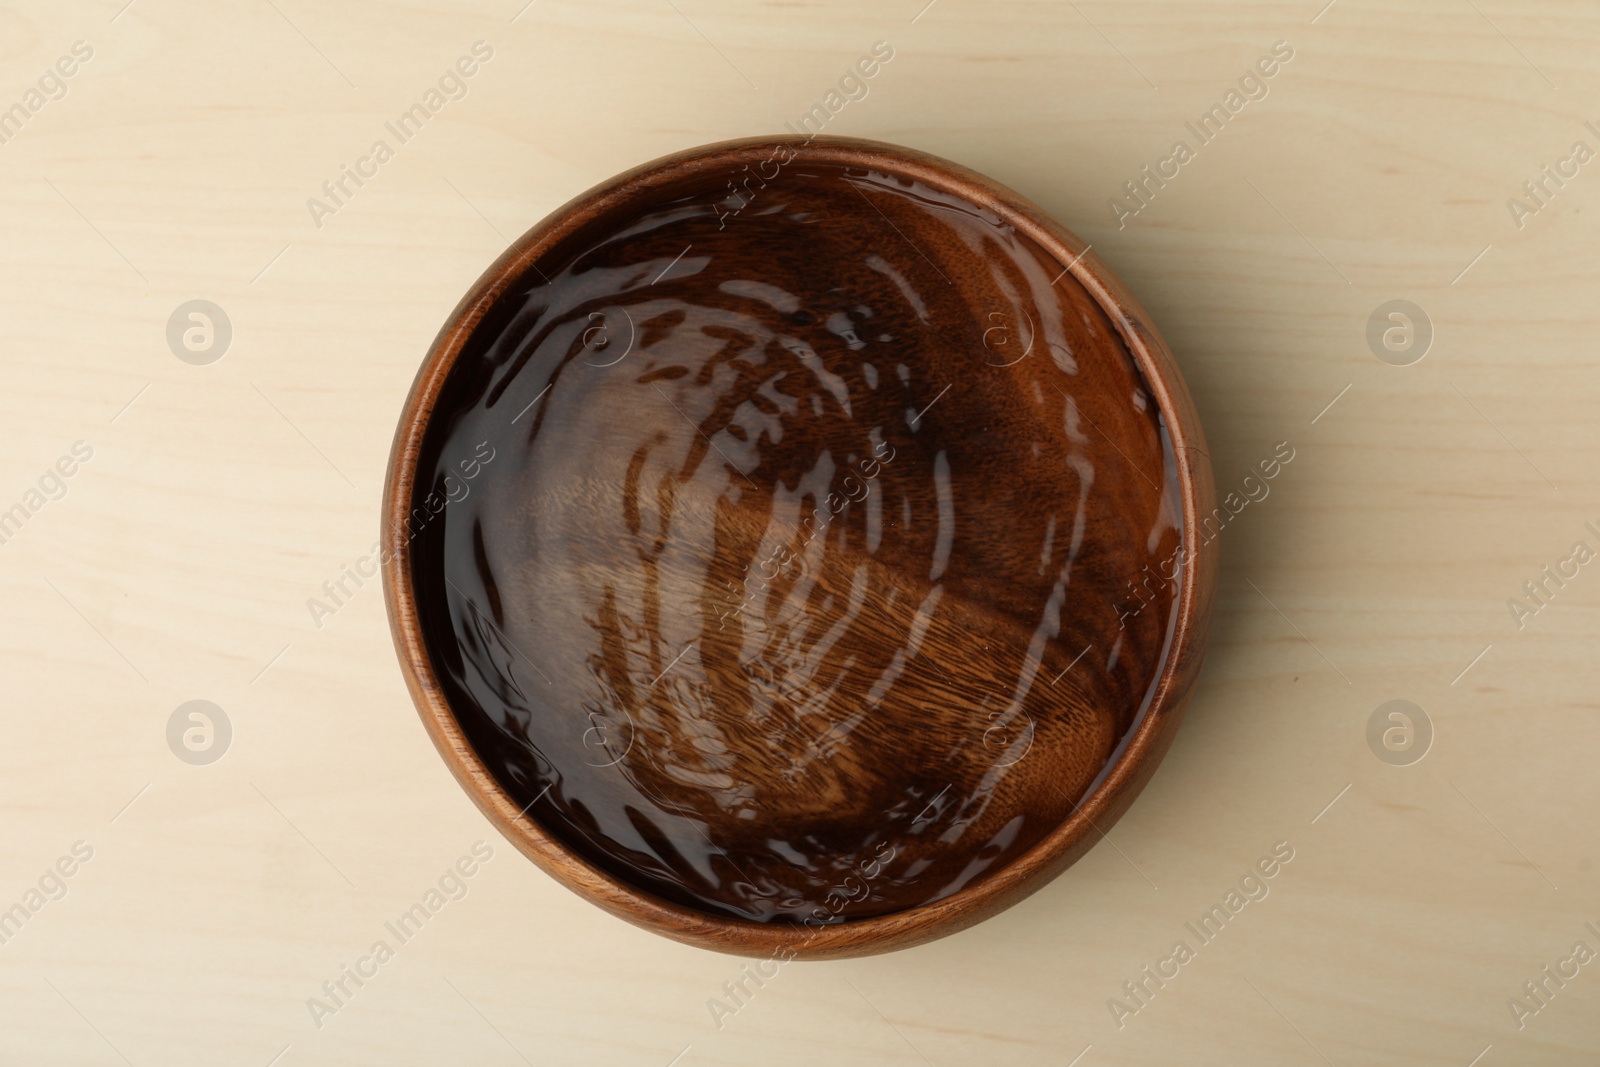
[175,491]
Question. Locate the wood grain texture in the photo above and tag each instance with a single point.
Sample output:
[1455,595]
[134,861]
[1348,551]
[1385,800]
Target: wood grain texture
[180,561]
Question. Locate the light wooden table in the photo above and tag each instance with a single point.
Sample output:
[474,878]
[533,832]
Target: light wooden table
[220,496]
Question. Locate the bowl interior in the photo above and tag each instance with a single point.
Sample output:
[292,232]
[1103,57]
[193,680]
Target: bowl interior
[796,539]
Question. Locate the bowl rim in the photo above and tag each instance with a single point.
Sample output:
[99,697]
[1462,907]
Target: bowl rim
[1117,786]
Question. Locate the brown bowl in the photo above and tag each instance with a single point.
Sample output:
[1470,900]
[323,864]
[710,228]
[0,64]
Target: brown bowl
[691,672]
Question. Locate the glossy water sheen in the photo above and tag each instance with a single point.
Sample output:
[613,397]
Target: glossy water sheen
[802,579]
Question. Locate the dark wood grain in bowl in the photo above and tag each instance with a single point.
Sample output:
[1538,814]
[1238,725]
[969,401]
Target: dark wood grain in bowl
[788,546]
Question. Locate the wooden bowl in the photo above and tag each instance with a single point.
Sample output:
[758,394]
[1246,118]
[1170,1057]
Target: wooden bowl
[790,546]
